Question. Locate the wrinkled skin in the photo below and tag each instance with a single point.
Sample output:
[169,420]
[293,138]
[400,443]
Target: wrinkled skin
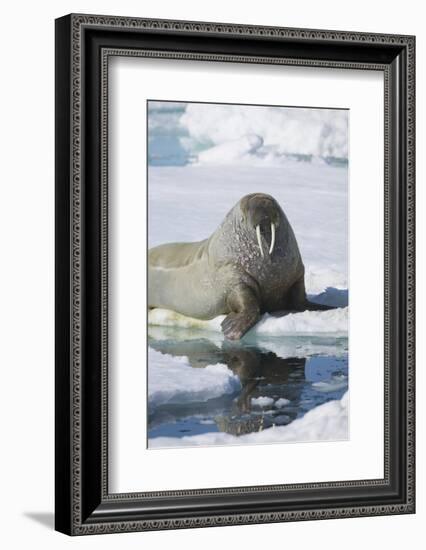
[234,272]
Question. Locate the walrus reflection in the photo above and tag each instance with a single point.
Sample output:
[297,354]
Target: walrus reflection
[257,371]
[260,372]
[255,368]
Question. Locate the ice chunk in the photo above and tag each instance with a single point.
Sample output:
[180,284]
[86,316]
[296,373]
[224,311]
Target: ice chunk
[314,133]
[172,380]
[231,151]
[261,401]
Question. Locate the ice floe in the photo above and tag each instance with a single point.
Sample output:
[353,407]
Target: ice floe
[172,380]
[306,322]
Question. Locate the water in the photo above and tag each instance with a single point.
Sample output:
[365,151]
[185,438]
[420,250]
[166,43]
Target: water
[274,390]
[165,135]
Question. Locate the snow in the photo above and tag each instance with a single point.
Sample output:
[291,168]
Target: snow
[305,322]
[327,422]
[172,380]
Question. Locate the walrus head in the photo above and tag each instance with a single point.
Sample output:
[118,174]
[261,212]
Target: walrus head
[261,214]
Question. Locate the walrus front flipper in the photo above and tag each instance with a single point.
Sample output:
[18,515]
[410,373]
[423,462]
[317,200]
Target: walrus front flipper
[245,313]
[235,325]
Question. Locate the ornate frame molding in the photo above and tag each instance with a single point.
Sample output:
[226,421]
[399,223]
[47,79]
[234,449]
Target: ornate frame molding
[73,517]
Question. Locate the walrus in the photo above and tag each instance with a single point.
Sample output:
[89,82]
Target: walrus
[249,266]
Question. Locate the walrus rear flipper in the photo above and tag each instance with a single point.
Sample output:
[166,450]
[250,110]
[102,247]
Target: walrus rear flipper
[300,302]
[312,306]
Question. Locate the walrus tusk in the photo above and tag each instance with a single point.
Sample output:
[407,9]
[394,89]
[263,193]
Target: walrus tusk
[271,248]
[259,241]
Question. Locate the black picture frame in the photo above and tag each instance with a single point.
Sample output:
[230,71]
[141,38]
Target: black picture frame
[83,504]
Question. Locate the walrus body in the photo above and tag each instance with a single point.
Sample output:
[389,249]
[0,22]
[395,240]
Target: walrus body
[250,265]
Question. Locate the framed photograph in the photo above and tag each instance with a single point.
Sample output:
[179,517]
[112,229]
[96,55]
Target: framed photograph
[234,274]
